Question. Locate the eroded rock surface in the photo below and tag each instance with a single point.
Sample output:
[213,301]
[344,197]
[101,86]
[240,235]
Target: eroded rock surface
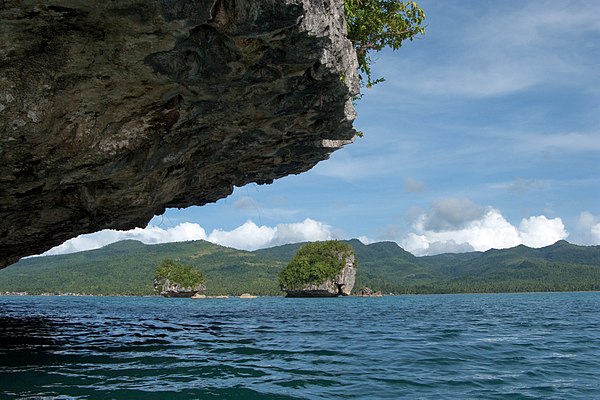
[112,111]
[167,288]
[341,285]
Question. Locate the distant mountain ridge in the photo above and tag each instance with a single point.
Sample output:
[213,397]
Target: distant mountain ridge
[126,268]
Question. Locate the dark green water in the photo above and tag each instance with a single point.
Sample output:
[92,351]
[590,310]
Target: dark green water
[513,346]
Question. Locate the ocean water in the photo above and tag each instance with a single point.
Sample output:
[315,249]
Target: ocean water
[497,346]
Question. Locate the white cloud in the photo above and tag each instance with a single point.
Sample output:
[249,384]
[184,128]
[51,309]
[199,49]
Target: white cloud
[596,232]
[365,240]
[458,225]
[586,220]
[307,230]
[589,228]
[150,235]
[449,246]
[539,231]
[452,225]
[451,214]
[247,236]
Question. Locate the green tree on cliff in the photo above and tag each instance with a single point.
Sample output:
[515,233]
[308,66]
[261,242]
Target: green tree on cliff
[376,24]
[314,263]
[184,275]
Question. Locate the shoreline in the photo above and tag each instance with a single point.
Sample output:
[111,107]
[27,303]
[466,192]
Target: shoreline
[223,297]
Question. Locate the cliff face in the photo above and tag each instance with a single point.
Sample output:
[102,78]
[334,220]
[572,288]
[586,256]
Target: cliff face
[167,288]
[112,111]
[341,285]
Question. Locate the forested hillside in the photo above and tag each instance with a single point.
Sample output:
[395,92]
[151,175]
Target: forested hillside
[127,268]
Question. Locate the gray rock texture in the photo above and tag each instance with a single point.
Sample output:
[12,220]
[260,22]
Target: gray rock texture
[341,285]
[112,111]
[368,292]
[167,288]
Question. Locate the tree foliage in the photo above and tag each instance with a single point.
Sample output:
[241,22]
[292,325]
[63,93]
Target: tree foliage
[376,24]
[127,268]
[314,263]
[184,275]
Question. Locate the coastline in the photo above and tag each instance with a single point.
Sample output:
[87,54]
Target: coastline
[224,297]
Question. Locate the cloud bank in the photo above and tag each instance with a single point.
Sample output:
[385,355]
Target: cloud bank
[450,226]
[248,236]
[459,225]
[589,228]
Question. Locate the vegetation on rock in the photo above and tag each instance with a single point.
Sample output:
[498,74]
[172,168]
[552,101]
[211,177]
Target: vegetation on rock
[314,263]
[127,268]
[376,24]
[183,275]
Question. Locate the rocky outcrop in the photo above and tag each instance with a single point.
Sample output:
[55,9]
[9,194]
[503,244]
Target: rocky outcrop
[368,292]
[167,288]
[341,285]
[111,112]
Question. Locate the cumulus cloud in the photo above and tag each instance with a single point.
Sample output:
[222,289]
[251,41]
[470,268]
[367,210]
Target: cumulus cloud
[588,226]
[247,236]
[250,236]
[540,231]
[307,230]
[449,246]
[150,235]
[459,225]
[451,214]
[596,232]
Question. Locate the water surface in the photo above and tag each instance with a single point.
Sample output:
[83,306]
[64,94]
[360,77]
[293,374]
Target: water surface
[497,346]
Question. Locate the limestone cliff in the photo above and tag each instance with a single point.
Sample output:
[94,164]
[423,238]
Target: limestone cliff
[341,285]
[167,288]
[112,111]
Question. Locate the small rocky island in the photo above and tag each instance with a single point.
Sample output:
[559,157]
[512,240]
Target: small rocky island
[368,292]
[172,279]
[320,269]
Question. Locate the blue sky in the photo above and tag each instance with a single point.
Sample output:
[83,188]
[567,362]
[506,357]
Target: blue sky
[486,134]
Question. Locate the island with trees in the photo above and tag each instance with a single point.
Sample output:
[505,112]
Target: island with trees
[173,279]
[320,269]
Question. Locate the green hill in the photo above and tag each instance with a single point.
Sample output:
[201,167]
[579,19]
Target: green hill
[559,267]
[127,267]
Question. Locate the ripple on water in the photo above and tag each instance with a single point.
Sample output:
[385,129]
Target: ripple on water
[476,346]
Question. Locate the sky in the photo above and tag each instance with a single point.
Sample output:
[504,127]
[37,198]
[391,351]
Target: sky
[485,134]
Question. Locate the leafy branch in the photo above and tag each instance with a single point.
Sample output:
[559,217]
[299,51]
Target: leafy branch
[375,24]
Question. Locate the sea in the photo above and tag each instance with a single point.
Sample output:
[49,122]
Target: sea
[478,346]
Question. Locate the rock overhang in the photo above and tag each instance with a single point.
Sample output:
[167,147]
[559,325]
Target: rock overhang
[112,112]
